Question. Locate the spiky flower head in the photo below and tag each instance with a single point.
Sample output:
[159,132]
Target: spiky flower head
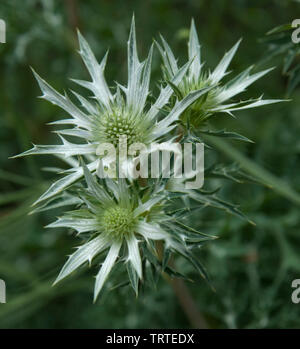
[197,78]
[124,225]
[111,115]
[120,220]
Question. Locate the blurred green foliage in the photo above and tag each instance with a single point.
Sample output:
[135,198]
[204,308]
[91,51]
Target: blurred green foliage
[251,267]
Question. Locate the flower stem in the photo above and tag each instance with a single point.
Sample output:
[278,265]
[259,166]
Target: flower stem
[183,295]
[188,304]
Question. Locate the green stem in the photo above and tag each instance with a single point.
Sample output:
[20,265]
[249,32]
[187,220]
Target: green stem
[267,178]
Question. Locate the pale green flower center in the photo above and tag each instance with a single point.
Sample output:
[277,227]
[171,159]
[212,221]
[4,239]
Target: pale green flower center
[117,127]
[200,109]
[118,123]
[118,221]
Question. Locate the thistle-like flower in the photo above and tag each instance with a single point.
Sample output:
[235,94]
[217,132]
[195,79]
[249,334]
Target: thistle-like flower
[110,116]
[117,219]
[127,218]
[196,78]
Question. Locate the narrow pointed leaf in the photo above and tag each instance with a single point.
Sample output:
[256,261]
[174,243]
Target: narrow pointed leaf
[84,253]
[106,268]
[134,254]
[221,68]
[96,70]
[62,101]
[194,52]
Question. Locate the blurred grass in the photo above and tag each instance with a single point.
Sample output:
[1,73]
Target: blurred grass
[251,267]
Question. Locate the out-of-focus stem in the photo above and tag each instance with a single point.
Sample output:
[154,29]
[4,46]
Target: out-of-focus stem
[187,303]
[72,13]
[184,296]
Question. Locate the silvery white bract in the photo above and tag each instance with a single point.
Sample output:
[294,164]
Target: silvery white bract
[197,78]
[124,226]
[110,116]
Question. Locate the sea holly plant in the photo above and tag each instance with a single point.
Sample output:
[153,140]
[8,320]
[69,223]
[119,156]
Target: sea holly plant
[110,116]
[138,222]
[282,41]
[218,99]
[123,223]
